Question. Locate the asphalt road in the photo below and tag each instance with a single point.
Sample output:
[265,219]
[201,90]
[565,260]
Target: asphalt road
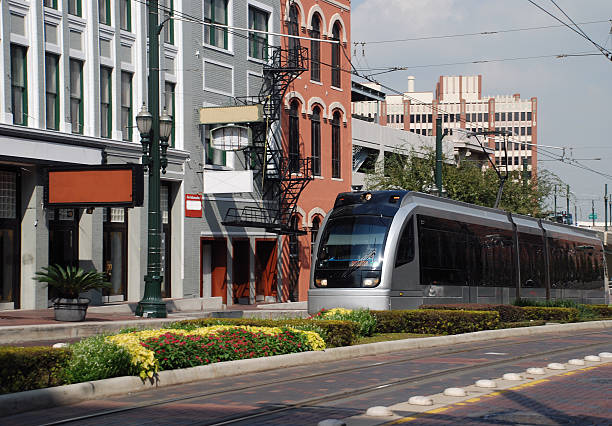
[309,394]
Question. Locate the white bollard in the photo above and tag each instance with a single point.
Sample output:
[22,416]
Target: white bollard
[512,377]
[455,392]
[486,383]
[576,362]
[379,411]
[605,355]
[592,358]
[536,371]
[555,366]
[420,400]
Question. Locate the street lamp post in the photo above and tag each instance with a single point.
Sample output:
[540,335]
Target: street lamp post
[154,132]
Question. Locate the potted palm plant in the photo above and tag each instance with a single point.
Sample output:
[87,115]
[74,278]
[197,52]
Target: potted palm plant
[69,283]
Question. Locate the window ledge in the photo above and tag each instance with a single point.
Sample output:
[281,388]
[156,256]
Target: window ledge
[258,61]
[214,167]
[316,82]
[337,179]
[319,177]
[336,88]
[218,49]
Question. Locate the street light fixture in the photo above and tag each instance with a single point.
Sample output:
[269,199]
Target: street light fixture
[154,131]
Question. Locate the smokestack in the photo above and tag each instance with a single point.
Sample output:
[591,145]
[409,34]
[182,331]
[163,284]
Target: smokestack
[411,83]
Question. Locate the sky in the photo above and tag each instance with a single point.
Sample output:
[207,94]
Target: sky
[574,93]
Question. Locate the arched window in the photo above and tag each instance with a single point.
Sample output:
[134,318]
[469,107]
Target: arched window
[314,230]
[294,43]
[315,49]
[336,145]
[335,68]
[294,137]
[315,134]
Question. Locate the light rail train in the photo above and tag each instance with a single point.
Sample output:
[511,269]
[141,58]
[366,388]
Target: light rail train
[401,249]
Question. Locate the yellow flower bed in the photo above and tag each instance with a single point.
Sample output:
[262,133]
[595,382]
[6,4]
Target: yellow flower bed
[334,311]
[145,358]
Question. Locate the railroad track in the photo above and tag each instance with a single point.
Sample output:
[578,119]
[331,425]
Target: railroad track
[329,397]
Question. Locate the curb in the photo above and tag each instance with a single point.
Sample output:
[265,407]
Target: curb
[70,394]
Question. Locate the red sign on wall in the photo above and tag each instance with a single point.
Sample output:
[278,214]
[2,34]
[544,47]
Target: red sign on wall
[193,205]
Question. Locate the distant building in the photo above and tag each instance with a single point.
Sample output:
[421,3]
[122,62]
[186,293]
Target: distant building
[459,101]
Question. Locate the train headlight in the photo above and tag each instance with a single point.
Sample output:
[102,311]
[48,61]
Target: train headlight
[370,282]
[321,282]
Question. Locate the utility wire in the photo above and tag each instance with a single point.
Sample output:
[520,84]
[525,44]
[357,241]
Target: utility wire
[481,33]
[604,51]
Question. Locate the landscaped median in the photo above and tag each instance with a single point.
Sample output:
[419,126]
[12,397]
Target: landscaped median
[149,354]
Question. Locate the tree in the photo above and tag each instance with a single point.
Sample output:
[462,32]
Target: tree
[413,169]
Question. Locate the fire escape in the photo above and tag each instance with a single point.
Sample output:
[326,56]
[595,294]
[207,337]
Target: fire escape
[281,179]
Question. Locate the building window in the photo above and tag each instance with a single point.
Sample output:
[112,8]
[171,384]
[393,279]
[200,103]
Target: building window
[516,116]
[50,3]
[169,105]
[503,116]
[336,145]
[104,11]
[51,91]
[258,42]
[76,96]
[126,106]
[523,116]
[315,49]
[167,11]
[213,156]
[126,15]
[215,12]
[497,116]
[335,68]
[106,121]
[314,230]
[75,8]
[315,134]
[19,85]
[528,115]
[294,138]
[529,131]
[294,43]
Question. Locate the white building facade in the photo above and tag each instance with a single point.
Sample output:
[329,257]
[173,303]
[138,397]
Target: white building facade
[463,108]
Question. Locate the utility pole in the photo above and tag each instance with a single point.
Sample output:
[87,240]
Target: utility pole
[439,155]
[605,209]
[593,211]
[555,215]
[575,215]
[567,192]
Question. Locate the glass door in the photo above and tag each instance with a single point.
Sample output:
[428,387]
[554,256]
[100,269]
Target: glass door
[115,253]
[10,252]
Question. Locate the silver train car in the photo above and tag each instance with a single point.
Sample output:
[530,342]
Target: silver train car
[400,249]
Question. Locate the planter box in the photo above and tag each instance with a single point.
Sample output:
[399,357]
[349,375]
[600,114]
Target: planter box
[72,310]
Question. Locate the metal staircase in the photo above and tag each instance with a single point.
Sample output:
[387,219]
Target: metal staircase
[281,179]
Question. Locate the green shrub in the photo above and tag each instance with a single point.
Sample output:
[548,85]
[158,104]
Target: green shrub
[602,311]
[96,359]
[507,313]
[585,312]
[23,369]
[430,321]
[519,324]
[363,317]
[334,333]
[551,313]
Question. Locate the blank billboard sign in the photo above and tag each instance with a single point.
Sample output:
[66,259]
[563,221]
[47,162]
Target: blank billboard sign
[94,186]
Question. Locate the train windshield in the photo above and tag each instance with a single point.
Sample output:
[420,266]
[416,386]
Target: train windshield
[353,242]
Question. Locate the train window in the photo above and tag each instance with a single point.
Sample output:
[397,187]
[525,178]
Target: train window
[405,250]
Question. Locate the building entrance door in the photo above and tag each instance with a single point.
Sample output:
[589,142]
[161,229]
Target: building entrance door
[265,271]
[63,239]
[241,271]
[214,268]
[10,252]
[115,253]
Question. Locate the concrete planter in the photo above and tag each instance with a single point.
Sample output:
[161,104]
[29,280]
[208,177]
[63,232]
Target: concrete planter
[72,310]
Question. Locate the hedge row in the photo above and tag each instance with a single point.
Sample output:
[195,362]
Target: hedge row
[35,367]
[435,321]
[507,313]
[335,333]
[514,314]
[604,311]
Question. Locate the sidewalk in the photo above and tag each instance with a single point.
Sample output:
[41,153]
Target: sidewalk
[40,327]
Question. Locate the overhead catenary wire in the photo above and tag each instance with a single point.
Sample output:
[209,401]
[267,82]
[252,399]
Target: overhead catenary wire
[480,33]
